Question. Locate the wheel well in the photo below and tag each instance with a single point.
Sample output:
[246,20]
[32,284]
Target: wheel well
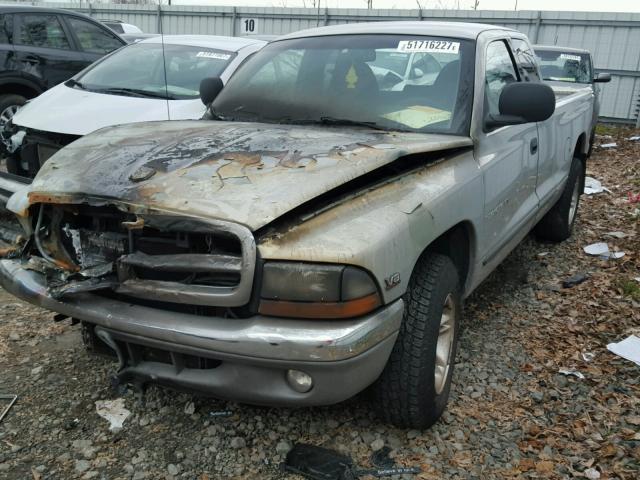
[580,150]
[20,89]
[456,243]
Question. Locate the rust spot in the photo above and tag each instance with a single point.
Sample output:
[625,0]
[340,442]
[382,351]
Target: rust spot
[66,265]
[245,158]
[137,225]
[36,197]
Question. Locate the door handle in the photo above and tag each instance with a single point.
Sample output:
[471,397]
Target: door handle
[31,59]
[533,146]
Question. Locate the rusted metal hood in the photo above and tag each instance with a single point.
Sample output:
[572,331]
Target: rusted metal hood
[243,172]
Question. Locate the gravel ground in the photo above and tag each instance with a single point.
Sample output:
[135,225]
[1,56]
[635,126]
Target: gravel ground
[511,413]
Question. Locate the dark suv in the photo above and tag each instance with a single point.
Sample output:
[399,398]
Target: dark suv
[42,47]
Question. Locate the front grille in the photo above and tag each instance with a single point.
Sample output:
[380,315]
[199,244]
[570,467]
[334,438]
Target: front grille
[158,258]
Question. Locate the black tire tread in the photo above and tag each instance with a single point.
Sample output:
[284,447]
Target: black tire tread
[398,395]
[554,225]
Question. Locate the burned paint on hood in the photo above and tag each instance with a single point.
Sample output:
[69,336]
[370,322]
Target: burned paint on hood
[247,173]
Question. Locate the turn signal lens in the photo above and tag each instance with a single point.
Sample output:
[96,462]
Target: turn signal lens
[348,309]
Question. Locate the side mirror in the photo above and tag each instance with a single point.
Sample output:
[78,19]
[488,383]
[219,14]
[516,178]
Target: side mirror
[602,78]
[209,89]
[523,103]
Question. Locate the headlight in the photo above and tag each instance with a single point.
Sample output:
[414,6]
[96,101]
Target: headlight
[304,290]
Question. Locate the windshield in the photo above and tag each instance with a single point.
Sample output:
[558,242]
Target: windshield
[139,70]
[391,82]
[564,66]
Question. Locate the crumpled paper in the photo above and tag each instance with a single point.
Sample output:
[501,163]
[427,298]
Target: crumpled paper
[114,412]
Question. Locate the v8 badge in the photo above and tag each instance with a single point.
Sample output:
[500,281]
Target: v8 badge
[392,281]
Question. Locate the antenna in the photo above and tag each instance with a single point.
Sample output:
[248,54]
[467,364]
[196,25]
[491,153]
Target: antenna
[164,59]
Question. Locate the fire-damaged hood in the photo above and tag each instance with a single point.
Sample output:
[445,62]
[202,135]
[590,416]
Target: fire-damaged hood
[242,172]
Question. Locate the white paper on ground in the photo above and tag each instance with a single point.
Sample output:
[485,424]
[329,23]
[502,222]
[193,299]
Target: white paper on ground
[616,234]
[593,186]
[628,348]
[588,356]
[601,249]
[597,249]
[113,411]
[575,373]
[634,138]
[609,145]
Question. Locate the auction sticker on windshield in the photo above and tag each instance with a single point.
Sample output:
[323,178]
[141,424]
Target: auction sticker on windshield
[566,56]
[428,46]
[217,56]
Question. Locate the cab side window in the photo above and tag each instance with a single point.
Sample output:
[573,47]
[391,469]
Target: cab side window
[526,60]
[41,30]
[92,38]
[6,28]
[499,72]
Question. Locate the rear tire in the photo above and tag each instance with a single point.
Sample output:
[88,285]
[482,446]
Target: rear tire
[557,224]
[592,139]
[413,390]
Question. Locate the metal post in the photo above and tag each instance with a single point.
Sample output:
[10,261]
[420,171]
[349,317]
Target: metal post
[234,16]
[420,14]
[160,19]
[326,16]
[536,30]
[90,9]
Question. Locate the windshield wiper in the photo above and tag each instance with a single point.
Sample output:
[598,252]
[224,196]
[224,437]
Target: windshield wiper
[134,92]
[348,121]
[74,83]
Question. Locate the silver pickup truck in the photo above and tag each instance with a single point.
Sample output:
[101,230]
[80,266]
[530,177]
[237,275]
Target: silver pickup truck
[318,234]
[568,69]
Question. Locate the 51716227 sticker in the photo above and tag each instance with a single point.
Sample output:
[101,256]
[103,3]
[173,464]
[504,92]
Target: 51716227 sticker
[428,46]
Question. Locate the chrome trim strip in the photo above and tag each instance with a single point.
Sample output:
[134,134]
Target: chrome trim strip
[185,262]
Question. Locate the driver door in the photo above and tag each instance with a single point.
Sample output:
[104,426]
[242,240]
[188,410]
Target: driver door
[508,158]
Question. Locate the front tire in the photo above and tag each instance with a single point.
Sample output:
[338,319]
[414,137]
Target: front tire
[557,224]
[413,390]
[9,105]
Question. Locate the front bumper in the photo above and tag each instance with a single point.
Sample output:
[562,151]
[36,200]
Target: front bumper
[342,356]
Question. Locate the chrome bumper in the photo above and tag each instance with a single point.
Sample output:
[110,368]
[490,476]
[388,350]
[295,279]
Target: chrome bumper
[343,356]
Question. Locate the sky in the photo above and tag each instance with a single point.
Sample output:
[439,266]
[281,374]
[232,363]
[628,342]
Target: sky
[573,5]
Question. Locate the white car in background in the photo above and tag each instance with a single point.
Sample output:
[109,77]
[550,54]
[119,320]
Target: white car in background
[126,86]
[120,27]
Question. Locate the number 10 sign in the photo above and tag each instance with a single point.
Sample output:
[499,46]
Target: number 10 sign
[249,26]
